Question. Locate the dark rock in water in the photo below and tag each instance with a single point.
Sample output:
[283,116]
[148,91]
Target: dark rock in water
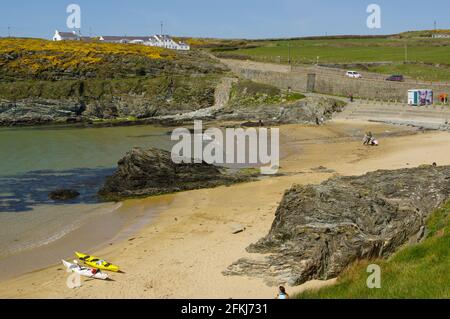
[151,172]
[320,229]
[63,194]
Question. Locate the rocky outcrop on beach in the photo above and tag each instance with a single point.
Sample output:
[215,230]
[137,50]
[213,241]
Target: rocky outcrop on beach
[320,229]
[305,111]
[156,109]
[92,100]
[152,172]
[311,110]
[39,111]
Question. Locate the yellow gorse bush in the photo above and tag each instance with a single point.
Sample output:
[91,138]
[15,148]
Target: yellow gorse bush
[9,45]
[195,42]
[38,55]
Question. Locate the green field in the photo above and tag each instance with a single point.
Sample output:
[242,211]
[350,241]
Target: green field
[429,59]
[354,50]
[418,271]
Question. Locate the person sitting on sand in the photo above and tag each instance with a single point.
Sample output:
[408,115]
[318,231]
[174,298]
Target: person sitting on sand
[282,294]
[368,137]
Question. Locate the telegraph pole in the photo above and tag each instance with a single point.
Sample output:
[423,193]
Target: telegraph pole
[9,32]
[289,51]
[406,52]
[162,24]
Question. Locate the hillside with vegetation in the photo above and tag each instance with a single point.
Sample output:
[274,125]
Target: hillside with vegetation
[424,33]
[245,93]
[48,60]
[45,82]
[42,81]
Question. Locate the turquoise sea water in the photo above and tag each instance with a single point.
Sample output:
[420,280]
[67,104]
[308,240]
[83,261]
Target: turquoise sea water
[35,161]
[36,231]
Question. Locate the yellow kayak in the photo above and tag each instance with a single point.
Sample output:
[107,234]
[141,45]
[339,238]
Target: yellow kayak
[96,262]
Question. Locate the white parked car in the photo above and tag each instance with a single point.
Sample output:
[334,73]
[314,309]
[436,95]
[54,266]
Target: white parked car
[353,74]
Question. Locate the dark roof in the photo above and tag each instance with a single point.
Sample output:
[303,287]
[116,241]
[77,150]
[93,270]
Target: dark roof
[68,35]
[164,36]
[119,38]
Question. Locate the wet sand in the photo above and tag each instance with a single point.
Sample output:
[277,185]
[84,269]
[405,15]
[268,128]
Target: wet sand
[182,252]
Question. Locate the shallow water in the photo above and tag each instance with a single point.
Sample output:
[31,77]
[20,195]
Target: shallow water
[35,161]
[36,231]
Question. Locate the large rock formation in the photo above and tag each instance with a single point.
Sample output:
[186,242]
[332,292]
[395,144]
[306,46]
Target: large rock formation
[320,229]
[151,172]
[39,111]
[305,111]
[87,100]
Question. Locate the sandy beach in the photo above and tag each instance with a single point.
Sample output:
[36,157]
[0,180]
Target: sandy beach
[182,252]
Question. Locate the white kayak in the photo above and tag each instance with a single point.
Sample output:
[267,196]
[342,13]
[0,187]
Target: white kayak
[85,271]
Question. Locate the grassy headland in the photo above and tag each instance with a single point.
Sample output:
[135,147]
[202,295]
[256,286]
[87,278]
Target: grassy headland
[104,80]
[53,82]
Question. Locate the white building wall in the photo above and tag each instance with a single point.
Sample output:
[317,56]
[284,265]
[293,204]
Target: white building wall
[57,36]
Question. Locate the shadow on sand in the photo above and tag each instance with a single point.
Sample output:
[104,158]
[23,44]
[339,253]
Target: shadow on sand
[21,192]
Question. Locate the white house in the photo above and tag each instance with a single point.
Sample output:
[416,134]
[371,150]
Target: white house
[165,41]
[162,41]
[62,36]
